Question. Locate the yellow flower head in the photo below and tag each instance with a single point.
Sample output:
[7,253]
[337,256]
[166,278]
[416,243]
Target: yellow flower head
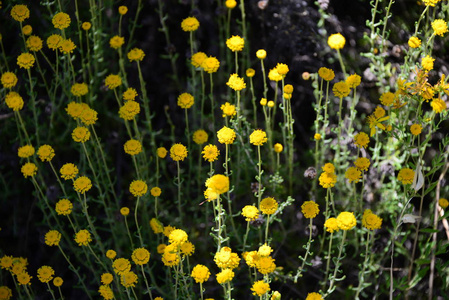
[260,288]
[427,62]
[431,2]
[113,81]
[210,153]
[265,265]
[310,209]
[171,256]
[140,256]
[14,101]
[45,274]
[86,26]
[138,188]
[317,136]
[178,237]
[210,64]
[34,43]
[264,250]
[25,151]
[136,54]
[226,135]
[270,104]
[178,152]
[46,153]
[161,152]
[124,211]
[353,81]
[88,116]
[106,292]
[190,24]
[130,94]
[82,184]
[200,136]
[156,226]
[346,220]
[81,134]
[341,89]
[52,238]
[414,42]
[25,60]
[250,72]
[61,20]
[27,30]
[129,110]
[415,129]
[331,225]
[200,273]
[121,266]
[79,89]
[132,147]
[9,80]
[261,54]
[353,174]
[361,140]
[187,248]
[439,27]
[155,191]
[327,180]
[314,296]
[235,43]
[116,42]
[218,183]
[225,276]
[362,163]
[443,202]
[263,101]
[111,254]
[268,206]
[83,237]
[185,100]
[29,170]
[282,69]
[53,41]
[406,176]
[258,137]
[387,98]
[278,148]
[198,58]
[20,12]
[236,83]
[122,10]
[228,110]
[64,207]
[57,281]
[128,279]
[24,278]
[250,212]
[288,89]
[68,171]
[231,4]
[274,75]
[438,105]
[371,221]
[66,46]
[336,41]
[326,74]
[328,168]
[107,278]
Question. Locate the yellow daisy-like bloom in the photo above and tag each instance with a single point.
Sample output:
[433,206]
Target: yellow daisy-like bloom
[61,20]
[25,151]
[116,42]
[427,62]
[200,136]
[53,41]
[278,148]
[268,206]
[130,94]
[210,64]
[106,292]
[27,29]
[121,266]
[314,296]
[431,2]
[415,129]
[197,59]
[140,256]
[282,69]
[66,46]
[414,42]
[439,27]
[122,10]
[111,254]
[129,110]
[187,248]
[361,140]
[341,89]
[171,257]
[326,74]
[161,248]
[225,276]
[20,12]
[387,98]
[336,41]
[6,262]
[14,101]
[25,60]
[178,237]
[250,258]
[250,212]
[371,221]
[235,43]
[310,209]
[261,54]
[327,180]
[82,184]
[353,174]
[161,152]
[200,273]
[264,250]
[64,207]
[138,188]
[231,4]
[68,171]
[45,274]
[190,24]
[346,220]
[155,191]
[128,279]
[250,72]
[362,163]
[88,116]
[379,112]
[34,43]
[218,183]
[274,75]
[24,278]
[288,88]
[136,54]
[328,168]
[228,110]
[107,278]
[168,229]
[9,80]
[178,152]
[331,225]
[236,83]
[265,265]
[86,26]
[185,100]
[226,259]
[258,137]
[52,238]
[156,226]
[406,176]
[57,281]
[79,89]
[443,202]
[80,134]
[210,153]
[260,288]
[83,237]
[226,135]
[270,104]
[46,153]
[113,81]
[317,136]
[132,147]
[263,101]
[124,211]
[29,170]
[438,105]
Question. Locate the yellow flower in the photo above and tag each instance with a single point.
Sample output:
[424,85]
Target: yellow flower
[317,136]
[190,24]
[106,278]
[231,4]
[171,257]
[406,176]
[198,58]
[113,81]
[128,279]
[88,116]
[185,100]
[326,74]
[370,220]
[136,54]
[116,42]
[236,83]
[29,170]
[225,276]
[82,184]
[328,168]
[353,174]
[268,206]
[46,153]
[226,135]
[331,225]
[80,134]
[226,259]
[274,75]
[140,256]
[122,10]
[138,188]
[61,20]
[106,292]
[20,12]
[34,43]
[161,152]
[121,266]
[178,152]
[83,237]
[278,148]
[129,110]
[346,220]
[27,29]
[261,54]
[270,104]
[155,191]
[6,262]
[341,89]
[53,41]
[314,296]
[9,80]
[427,62]
[353,81]
[336,41]
[263,101]
[235,43]
[438,105]
[379,112]
[228,110]
[362,163]
[282,69]
[156,226]
[250,72]
[310,209]
[45,274]
[14,101]
[327,180]
[439,27]
[66,46]
[124,211]
[111,254]
[414,42]
[161,248]
[218,183]
[387,98]
[178,237]
[132,147]
[260,288]
[415,129]
[444,203]
[264,250]
[265,265]
[210,153]
[187,248]
[79,89]
[24,278]
[130,94]
[52,238]
[25,60]
[57,282]
[200,136]
[25,151]
[68,171]
[361,140]
[200,273]
[250,212]
[431,2]
[86,26]
[64,207]
[258,137]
